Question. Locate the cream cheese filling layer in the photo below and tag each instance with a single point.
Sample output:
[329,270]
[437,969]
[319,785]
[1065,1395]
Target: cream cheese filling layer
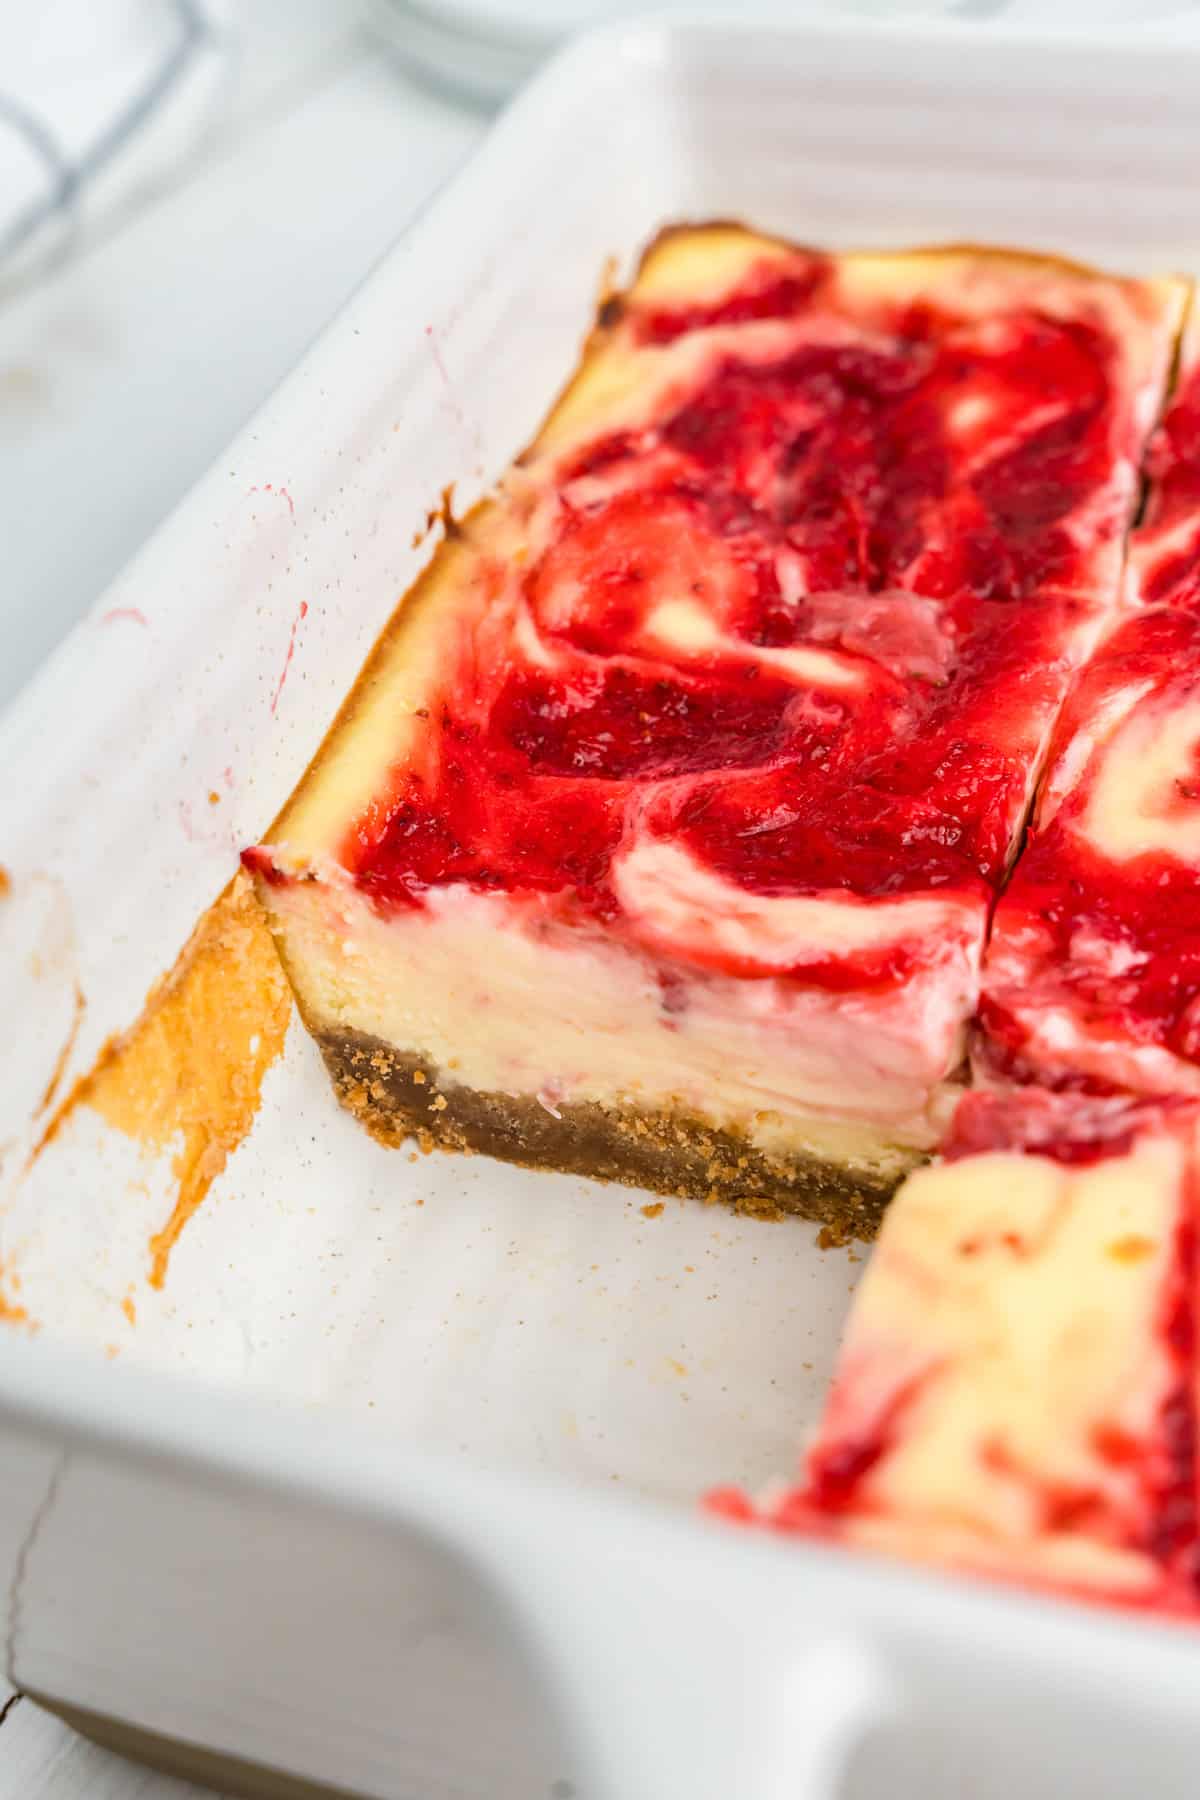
[1009,1330]
[502,998]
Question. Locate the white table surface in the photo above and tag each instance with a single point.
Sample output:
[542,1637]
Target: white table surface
[125,373]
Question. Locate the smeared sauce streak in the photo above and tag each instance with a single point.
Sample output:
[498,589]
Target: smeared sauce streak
[11,1311]
[291,651]
[187,1076]
[280,492]
[64,1055]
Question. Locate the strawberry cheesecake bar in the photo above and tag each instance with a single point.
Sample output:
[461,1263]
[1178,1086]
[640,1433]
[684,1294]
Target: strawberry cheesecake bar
[659,838]
[1092,978]
[1017,1388]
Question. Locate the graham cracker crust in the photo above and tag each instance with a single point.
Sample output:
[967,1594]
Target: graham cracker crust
[399,1095]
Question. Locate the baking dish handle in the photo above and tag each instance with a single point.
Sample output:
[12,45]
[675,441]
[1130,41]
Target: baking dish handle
[694,1675]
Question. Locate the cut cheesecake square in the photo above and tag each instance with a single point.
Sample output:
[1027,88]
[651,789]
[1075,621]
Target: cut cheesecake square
[1017,1388]
[1092,975]
[659,837]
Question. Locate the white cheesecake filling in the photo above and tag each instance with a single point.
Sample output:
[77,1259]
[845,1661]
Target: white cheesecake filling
[1007,1341]
[503,998]
[1142,798]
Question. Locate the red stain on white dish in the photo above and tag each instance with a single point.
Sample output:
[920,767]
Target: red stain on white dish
[291,651]
[191,830]
[207,827]
[269,487]
[134,614]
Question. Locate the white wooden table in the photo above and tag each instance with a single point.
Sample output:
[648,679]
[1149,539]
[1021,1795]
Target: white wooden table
[127,371]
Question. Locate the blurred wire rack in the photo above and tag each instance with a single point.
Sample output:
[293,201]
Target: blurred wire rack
[166,101]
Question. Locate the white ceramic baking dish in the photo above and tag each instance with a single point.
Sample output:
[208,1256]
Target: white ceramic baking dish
[401,1497]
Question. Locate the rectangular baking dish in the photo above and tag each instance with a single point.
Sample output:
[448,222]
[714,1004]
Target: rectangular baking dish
[389,1488]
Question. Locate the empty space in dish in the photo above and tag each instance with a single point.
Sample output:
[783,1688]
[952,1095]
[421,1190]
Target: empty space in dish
[532,1320]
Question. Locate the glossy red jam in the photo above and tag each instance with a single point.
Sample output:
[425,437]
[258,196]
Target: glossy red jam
[1113,945]
[901,492]
[1172,1474]
[1173,470]
[1068,1128]
[768,293]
